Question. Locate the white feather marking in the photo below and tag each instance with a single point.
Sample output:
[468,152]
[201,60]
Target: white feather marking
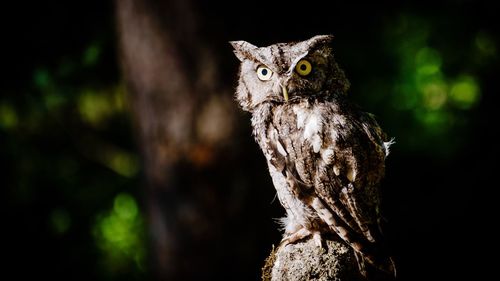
[327,155]
[351,175]
[341,120]
[312,126]
[281,149]
[387,144]
[301,116]
[311,122]
[316,143]
[336,170]
[334,135]
[312,131]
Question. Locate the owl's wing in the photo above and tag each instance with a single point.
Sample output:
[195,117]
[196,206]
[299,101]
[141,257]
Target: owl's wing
[348,182]
[336,169]
[356,169]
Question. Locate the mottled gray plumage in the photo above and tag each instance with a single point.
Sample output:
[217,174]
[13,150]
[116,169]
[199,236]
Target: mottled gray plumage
[325,156]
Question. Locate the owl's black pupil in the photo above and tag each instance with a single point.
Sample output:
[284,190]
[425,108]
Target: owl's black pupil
[303,67]
[264,72]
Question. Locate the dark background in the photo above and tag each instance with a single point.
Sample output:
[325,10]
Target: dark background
[72,175]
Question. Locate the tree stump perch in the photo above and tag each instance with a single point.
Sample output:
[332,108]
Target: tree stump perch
[304,260]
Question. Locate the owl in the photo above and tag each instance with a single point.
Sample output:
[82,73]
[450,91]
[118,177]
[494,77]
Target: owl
[325,155]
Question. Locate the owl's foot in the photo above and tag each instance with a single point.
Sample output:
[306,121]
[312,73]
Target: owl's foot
[301,234]
[296,236]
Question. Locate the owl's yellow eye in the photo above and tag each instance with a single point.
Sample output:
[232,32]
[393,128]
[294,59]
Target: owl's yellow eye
[264,73]
[303,67]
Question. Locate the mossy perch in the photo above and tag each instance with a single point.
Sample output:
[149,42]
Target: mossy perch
[304,260]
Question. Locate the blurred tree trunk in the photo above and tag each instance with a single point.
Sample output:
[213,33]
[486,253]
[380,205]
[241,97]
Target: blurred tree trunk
[184,121]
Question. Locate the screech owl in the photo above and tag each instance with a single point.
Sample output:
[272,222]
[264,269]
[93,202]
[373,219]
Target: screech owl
[325,156]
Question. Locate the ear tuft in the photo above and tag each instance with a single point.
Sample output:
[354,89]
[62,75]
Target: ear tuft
[320,40]
[242,49]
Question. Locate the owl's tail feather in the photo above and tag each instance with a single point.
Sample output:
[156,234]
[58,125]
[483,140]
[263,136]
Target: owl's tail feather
[361,263]
[384,265]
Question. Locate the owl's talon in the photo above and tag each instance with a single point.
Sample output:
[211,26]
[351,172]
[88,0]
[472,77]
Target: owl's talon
[283,242]
[294,237]
[301,234]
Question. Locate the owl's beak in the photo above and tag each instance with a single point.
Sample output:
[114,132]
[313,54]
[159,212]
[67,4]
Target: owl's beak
[285,92]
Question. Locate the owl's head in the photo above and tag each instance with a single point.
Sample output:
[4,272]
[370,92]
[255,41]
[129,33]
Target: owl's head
[287,72]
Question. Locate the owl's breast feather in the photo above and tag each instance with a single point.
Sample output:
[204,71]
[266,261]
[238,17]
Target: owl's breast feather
[310,122]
